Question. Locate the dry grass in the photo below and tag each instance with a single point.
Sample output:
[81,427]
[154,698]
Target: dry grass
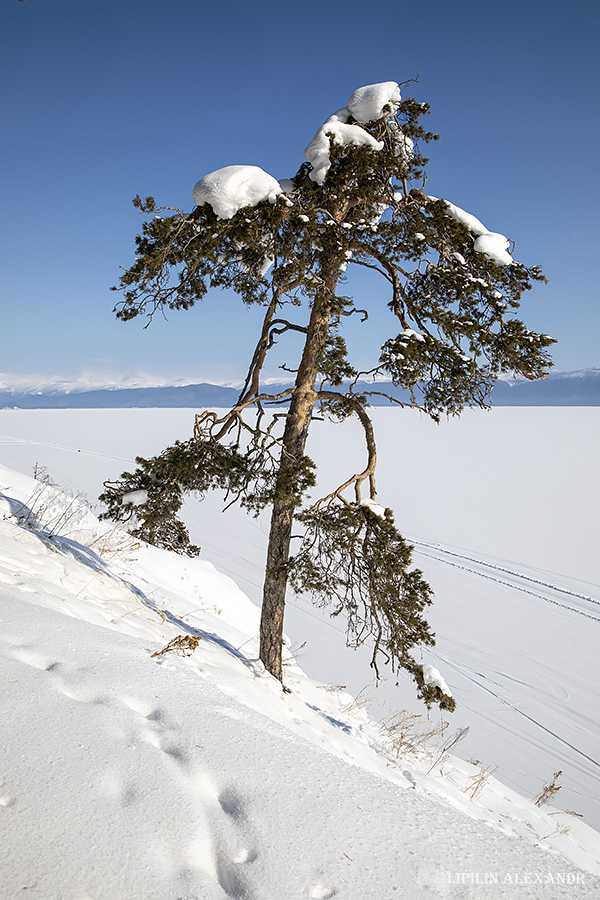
[365,698]
[549,790]
[558,831]
[444,751]
[478,782]
[181,645]
[407,732]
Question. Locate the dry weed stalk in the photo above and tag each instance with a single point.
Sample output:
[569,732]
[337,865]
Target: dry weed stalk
[50,508]
[444,751]
[116,543]
[292,652]
[365,697]
[559,830]
[181,645]
[478,782]
[410,732]
[549,790]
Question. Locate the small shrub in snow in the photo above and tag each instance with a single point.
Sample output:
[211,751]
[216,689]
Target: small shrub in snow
[181,645]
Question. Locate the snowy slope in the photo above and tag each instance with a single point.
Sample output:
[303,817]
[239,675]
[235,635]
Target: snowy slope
[131,776]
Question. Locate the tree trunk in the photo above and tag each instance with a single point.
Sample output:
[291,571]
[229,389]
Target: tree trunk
[282,518]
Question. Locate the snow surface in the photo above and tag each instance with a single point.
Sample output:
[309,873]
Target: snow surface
[230,189]
[130,775]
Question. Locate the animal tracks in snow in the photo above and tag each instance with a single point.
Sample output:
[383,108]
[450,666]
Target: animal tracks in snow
[221,845]
[224,844]
[67,679]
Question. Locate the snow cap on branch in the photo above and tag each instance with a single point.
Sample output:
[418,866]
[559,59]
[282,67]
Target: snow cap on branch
[372,102]
[433,677]
[491,243]
[317,152]
[136,498]
[374,507]
[365,105]
[230,189]
[495,246]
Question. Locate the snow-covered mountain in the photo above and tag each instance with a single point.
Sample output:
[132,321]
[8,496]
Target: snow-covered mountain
[580,388]
[132,771]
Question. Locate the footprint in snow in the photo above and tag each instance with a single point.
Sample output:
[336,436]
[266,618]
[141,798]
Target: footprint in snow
[35,660]
[231,803]
[143,707]
[322,892]
[67,685]
[157,732]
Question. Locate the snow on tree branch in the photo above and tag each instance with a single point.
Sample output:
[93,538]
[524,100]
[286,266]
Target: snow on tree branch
[491,243]
[230,189]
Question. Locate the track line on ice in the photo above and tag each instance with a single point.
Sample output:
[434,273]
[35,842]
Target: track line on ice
[9,439]
[470,673]
[521,575]
[509,584]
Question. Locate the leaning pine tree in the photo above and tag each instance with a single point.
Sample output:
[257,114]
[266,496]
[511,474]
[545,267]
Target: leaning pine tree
[358,200]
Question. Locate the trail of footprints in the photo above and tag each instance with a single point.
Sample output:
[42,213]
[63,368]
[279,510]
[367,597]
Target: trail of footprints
[223,847]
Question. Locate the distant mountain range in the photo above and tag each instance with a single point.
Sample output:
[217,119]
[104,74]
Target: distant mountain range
[580,388]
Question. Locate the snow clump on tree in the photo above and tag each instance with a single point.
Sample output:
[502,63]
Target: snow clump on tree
[372,102]
[366,104]
[336,127]
[494,245]
[432,677]
[230,189]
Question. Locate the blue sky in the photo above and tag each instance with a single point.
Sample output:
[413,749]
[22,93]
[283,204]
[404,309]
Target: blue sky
[103,101]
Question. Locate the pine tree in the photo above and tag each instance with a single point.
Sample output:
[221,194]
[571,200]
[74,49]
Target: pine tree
[454,289]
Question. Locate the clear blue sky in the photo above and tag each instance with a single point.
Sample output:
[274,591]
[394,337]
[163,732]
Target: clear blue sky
[101,101]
